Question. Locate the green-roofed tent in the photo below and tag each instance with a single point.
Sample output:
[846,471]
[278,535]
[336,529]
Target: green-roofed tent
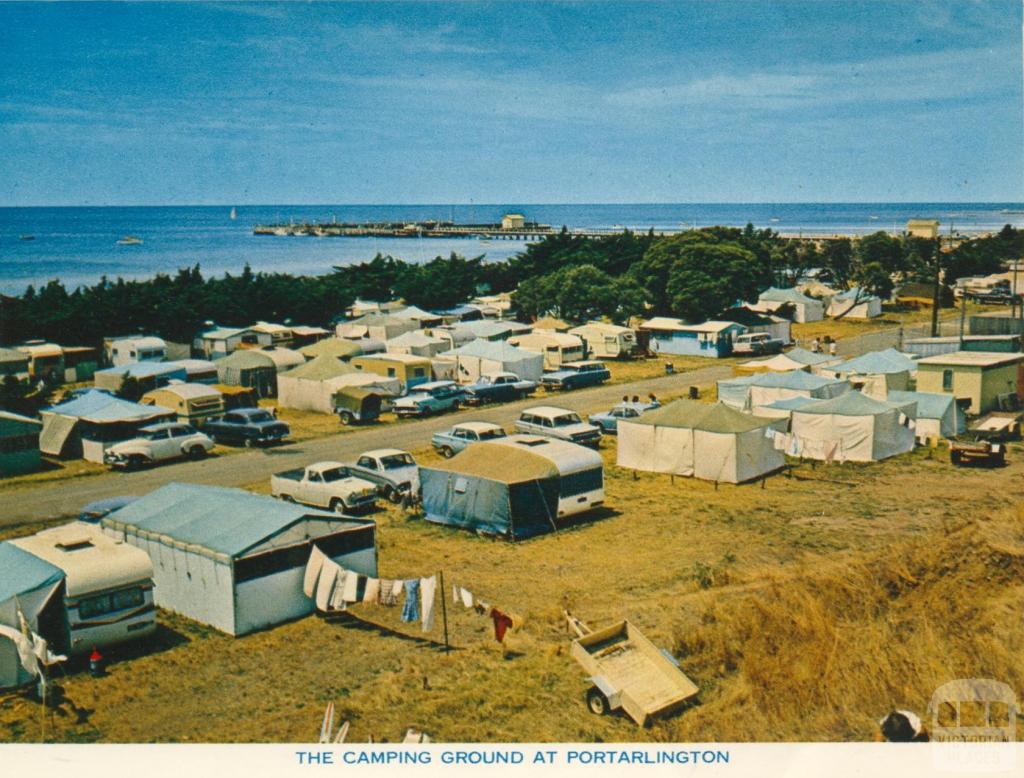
[938,415]
[704,440]
[250,368]
[233,559]
[37,588]
[751,392]
[339,348]
[515,487]
[853,427]
[311,386]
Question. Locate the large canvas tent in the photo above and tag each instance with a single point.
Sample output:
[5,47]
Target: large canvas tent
[709,441]
[855,304]
[495,489]
[749,392]
[482,356]
[339,348]
[88,425]
[150,375]
[37,588]
[938,415]
[376,326]
[417,344]
[235,560]
[876,373]
[250,368]
[311,386]
[804,308]
[853,427]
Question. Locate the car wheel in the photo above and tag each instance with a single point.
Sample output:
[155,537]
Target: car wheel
[597,703]
[393,495]
[446,452]
[196,452]
[287,498]
[250,443]
[345,418]
[135,462]
[338,505]
[425,411]
[456,405]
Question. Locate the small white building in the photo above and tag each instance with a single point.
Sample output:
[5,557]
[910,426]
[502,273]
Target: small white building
[513,221]
[855,304]
[804,308]
[142,349]
[218,342]
[236,560]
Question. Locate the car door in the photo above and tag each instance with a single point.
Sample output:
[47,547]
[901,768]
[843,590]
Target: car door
[314,491]
[161,445]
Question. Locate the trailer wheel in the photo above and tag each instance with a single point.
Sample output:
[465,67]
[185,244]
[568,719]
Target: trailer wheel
[597,702]
[393,495]
[345,418]
[446,452]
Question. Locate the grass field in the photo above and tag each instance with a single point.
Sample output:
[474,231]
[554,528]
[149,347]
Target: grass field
[804,610]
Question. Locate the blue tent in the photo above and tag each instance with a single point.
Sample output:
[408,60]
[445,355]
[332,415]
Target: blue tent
[493,489]
[875,363]
[34,586]
[764,388]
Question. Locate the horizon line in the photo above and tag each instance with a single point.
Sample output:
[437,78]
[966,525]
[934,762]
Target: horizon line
[513,203]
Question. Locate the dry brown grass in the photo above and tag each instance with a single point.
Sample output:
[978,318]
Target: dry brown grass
[54,470]
[831,596]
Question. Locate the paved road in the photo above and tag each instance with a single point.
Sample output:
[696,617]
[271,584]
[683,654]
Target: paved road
[65,498]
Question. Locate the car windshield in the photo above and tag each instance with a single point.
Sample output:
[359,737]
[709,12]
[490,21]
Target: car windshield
[258,418]
[566,420]
[491,434]
[395,461]
[335,474]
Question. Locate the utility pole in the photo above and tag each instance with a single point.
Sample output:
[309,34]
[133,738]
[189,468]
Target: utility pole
[936,297]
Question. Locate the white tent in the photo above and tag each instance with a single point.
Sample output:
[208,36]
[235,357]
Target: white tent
[876,373]
[795,359]
[853,427]
[416,343]
[804,308]
[749,392]
[855,304]
[484,356]
[938,415]
[233,559]
[311,386]
[689,438]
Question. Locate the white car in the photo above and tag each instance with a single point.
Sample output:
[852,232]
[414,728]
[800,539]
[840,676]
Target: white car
[393,464]
[158,443]
[558,423]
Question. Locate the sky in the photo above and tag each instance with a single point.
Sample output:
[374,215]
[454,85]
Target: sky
[529,102]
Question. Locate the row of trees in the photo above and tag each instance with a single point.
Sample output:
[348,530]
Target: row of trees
[693,275]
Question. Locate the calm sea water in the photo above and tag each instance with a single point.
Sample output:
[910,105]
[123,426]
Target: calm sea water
[78,245]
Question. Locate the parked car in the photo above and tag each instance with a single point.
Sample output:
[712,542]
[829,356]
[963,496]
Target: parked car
[609,420]
[329,485]
[576,375]
[247,427]
[158,443]
[558,423]
[431,397]
[450,443]
[498,388]
[394,472]
[757,343]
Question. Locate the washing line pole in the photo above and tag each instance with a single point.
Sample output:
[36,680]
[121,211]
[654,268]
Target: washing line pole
[444,612]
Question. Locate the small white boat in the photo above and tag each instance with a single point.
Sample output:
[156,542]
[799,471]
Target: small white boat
[130,240]
[234,214]
[26,237]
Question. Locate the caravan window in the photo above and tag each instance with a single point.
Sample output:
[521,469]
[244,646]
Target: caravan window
[581,482]
[108,603]
[947,380]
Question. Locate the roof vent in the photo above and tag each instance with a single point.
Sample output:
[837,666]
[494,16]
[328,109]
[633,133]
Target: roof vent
[532,442]
[74,543]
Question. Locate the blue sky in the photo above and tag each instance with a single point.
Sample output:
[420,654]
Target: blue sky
[498,102]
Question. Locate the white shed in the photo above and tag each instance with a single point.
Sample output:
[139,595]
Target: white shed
[236,560]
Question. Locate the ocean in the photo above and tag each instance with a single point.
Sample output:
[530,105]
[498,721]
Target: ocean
[78,245]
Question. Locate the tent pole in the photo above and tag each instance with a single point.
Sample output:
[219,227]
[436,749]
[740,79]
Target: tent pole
[444,612]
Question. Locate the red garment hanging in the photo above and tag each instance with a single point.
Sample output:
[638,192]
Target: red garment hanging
[501,624]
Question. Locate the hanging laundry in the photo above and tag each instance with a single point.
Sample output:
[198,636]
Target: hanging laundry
[501,623]
[903,419]
[795,446]
[337,601]
[831,450]
[482,607]
[26,655]
[428,589]
[411,609]
[455,593]
[372,591]
[316,561]
[466,596]
[325,584]
[397,588]
[769,433]
[386,596]
[781,442]
[351,591]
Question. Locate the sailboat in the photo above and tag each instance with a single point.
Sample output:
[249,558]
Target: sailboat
[234,214]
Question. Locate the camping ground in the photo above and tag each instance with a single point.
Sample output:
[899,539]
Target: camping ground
[804,610]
